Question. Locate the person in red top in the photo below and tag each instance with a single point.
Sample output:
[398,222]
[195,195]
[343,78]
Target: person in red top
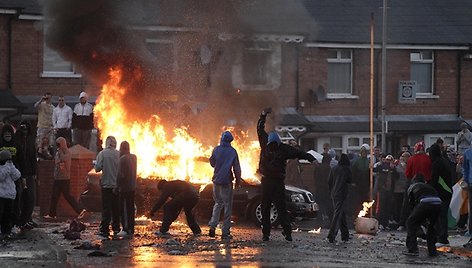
[419,163]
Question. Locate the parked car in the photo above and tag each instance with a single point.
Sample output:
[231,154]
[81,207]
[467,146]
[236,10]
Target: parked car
[246,201]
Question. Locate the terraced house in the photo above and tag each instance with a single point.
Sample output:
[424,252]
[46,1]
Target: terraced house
[309,59]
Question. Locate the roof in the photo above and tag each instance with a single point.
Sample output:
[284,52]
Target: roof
[8,100]
[412,22]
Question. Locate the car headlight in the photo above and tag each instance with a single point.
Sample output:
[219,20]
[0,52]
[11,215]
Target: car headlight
[297,198]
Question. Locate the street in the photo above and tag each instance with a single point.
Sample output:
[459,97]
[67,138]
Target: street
[246,249]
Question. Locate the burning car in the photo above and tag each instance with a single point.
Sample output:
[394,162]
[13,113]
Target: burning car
[246,201]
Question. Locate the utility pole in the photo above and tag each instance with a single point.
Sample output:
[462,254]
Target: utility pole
[384,72]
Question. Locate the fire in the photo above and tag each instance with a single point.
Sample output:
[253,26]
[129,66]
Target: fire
[366,206]
[159,155]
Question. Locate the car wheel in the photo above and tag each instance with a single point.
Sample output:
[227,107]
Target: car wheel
[256,213]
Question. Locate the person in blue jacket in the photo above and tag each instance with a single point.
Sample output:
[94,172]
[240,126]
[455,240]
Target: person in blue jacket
[225,161]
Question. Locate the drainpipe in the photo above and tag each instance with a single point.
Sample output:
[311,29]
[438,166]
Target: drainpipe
[297,82]
[459,83]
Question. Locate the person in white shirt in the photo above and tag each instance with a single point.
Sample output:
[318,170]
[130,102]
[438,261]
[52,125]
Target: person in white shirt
[62,120]
[82,121]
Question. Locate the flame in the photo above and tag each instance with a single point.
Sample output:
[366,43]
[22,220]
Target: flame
[366,206]
[159,155]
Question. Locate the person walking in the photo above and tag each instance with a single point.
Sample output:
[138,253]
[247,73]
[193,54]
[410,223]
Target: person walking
[224,159]
[339,180]
[107,162]
[441,181]
[8,175]
[425,205]
[61,184]
[321,177]
[272,163]
[27,162]
[62,120]
[126,183]
[82,121]
[45,125]
[175,196]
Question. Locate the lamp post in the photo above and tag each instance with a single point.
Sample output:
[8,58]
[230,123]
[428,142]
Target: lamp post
[384,72]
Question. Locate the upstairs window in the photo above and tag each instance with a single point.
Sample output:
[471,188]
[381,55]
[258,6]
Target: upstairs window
[340,71]
[421,71]
[255,63]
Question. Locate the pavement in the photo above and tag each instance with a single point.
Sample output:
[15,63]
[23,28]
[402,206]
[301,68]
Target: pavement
[45,246]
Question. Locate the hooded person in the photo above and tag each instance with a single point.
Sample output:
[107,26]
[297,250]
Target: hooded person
[441,180]
[26,159]
[225,161]
[62,164]
[339,180]
[425,206]
[8,175]
[82,121]
[272,164]
[321,176]
[107,162]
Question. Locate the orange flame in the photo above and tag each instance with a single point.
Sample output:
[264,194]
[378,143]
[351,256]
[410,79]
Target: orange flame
[366,206]
[177,157]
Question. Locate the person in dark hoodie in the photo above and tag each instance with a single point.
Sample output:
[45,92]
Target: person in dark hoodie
[272,163]
[225,160]
[26,158]
[8,143]
[425,205]
[442,182]
[174,196]
[339,180]
[126,182]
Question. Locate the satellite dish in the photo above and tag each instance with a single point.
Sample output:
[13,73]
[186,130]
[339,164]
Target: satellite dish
[205,54]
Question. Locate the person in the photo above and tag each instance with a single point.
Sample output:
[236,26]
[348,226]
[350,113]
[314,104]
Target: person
[425,205]
[8,142]
[326,147]
[467,165]
[26,158]
[62,120]
[402,182]
[61,184]
[339,180]
[321,176]
[45,150]
[126,183]
[273,157]
[360,181]
[82,121]
[175,196]
[334,161]
[384,186]
[8,175]
[45,125]
[442,183]
[464,139]
[224,159]
[419,163]
[107,162]
[294,171]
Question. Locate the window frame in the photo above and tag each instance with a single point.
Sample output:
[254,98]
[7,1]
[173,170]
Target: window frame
[340,59]
[422,60]
[57,74]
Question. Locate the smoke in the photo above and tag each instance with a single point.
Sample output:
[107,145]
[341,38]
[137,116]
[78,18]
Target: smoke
[97,35]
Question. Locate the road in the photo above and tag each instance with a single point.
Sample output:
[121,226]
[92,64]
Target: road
[246,249]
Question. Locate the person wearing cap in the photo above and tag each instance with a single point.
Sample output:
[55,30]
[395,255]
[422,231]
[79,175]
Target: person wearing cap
[45,125]
[464,139]
[82,121]
[272,163]
[419,163]
[8,175]
[62,120]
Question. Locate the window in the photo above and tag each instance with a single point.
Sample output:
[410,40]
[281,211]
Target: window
[354,143]
[421,71]
[163,51]
[55,66]
[258,66]
[340,71]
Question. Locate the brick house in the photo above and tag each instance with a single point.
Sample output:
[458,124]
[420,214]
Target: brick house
[308,59]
